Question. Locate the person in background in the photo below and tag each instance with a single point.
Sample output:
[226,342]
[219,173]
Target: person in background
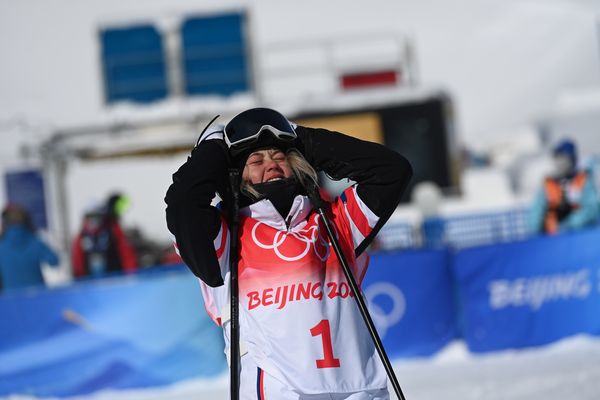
[101,247]
[21,251]
[568,200]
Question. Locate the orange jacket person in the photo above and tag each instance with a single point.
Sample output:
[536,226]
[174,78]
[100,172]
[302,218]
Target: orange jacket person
[568,200]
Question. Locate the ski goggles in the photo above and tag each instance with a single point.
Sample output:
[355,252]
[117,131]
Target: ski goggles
[247,127]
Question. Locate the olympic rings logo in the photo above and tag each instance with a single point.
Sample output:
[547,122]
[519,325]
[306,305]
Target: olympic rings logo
[309,236]
[384,320]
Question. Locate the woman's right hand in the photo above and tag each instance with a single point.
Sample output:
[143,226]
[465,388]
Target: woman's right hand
[210,162]
[190,216]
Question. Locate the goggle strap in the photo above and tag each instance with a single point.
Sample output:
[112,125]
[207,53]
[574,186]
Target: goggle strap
[206,128]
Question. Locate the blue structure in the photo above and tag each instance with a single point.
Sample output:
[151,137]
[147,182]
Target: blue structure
[134,64]
[214,55]
[529,293]
[213,59]
[410,296]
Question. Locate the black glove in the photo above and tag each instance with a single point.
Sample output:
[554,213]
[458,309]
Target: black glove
[190,216]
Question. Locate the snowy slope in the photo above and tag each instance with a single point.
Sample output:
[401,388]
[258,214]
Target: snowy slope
[569,369]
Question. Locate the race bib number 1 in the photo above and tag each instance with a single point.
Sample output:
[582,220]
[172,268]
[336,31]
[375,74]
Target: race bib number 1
[328,360]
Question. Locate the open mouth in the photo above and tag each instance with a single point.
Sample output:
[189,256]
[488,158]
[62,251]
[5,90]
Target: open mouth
[277,178]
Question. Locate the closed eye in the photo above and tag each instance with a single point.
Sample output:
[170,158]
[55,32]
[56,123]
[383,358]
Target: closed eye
[255,161]
[278,156]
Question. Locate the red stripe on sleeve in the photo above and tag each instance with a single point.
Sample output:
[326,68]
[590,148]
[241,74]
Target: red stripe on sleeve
[359,219]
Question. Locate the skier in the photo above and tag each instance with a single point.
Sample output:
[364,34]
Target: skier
[302,335]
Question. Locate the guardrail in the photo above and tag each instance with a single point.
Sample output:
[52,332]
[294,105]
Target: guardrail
[456,231]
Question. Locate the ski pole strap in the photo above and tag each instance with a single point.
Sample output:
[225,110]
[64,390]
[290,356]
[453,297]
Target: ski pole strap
[315,197]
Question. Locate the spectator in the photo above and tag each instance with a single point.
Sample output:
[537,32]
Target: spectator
[101,247]
[21,251]
[568,200]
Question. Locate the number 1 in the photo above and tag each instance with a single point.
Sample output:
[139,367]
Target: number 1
[323,329]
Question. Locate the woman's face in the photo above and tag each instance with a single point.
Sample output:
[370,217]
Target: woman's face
[266,165]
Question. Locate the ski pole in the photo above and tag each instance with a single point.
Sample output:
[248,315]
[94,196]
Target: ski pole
[317,201]
[234,323]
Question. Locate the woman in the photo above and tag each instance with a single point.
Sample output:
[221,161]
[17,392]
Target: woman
[302,335]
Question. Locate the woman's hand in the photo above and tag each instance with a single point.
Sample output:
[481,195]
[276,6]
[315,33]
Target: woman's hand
[190,216]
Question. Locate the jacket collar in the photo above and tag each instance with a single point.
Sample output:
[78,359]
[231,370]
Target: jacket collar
[265,212]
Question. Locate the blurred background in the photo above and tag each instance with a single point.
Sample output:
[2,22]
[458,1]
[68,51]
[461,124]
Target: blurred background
[484,284]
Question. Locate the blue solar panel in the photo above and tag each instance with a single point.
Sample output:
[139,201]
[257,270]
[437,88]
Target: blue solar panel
[134,64]
[214,55]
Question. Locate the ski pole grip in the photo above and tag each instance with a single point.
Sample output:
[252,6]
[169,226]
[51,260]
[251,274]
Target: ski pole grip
[315,196]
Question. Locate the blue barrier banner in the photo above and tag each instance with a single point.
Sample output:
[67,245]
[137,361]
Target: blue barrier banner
[410,298]
[530,293]
[123,332]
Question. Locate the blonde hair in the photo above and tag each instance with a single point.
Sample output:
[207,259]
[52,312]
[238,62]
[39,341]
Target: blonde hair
[304,173]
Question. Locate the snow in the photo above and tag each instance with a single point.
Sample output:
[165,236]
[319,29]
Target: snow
[567,369]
